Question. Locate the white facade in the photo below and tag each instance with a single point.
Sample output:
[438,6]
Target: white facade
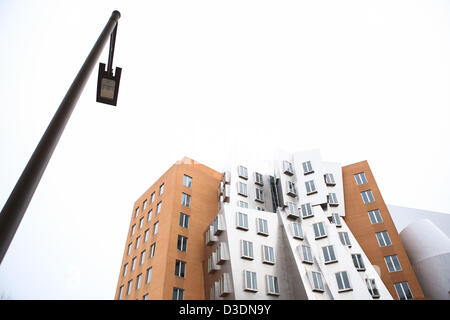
[304,250]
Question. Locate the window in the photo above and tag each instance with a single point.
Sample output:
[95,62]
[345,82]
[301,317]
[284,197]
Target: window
[120,292]
[310,187]
[287,168]
[182,243]
[187,181]
[372,287]
[152,250]
[161,189]
[345,240]
[246,249]
[224,285]
[136,212]
[129,248]
[392,263]
[133,228]
[141,221]
[125,268]
[403,290]
[375,216]
[155,228]
[307,168]
[383,239]
[133,263]
[319,230]
[329,179]
[272,285]
[259,179]
[152,197]
[148,277]
[180,268]
[149,217]
[184,220]
[306,254]
[241,221]
[250,281]
[367,196]
[306,210]
[177,294]
[142,257]
[186,200]
[360,178]
[259,195]
[297,230]
[328,254]
[138,240]
[262,226]
[358,262]
[317,282]
[146,235]
[130,285]
[291,189]
[343,281]
[145,296]
[144,204]
[332,199]
[260,209]
[242,188]
[242,171]
[336,219]
[243,204]
[158,207]
[293,210]
[222,252]
[268,255]
[138,281]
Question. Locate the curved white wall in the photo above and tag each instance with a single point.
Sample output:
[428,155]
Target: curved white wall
[428,249]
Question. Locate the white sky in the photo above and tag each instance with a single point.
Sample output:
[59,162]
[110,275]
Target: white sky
[360,80]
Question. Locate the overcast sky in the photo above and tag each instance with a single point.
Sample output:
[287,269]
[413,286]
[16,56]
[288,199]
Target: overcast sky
[359,80]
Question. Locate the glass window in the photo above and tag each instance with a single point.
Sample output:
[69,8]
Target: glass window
[360,178]
[158,207]
[133,228]
[184,220]
[146,235]
[306,254]
[336,219]
[243,204]
[297,230]
[144,204]
[182,243]
[317,281]
[306,210]
[287,168]
[319,230]
[177,294]
[358,262]
[186,200]
[403,291]
[343,281]
[138,281]
[242,171]
[367,196]
[129,248]
[120,292]
[130,285]
[161,189]
[149,217]
[138,240]
[187,181]
[262,226]
[246,249]
[152,250]
[259,179]
[329,179]
[310,187]
[383,239]
[242,221]
[141,222]
[259,195]
[392,263]
[332,199]
[145,296]
[328,254]
[155,227]
[291,188]
[372,287]
[125,268]
[242,188]
[250,281]
[142,257]
[136,212]
[272,285]
[345,240]
[307,168]
[293,210]
[133,263]
[180,268]
[148,277]
[268,255]
[375,216]
[152,198]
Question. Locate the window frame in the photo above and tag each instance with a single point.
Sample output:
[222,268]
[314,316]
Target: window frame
[382,236]
[182,243]
[306,254]
[273,285]
[311,186]
[320,235]
[262,229]
[359,180]
[341,280]
[250,275]
[244,220]
[375,216]
[180,268]
[392,262]
[367,196]
[187,181]
[329,256]
[247,250]
[268,256]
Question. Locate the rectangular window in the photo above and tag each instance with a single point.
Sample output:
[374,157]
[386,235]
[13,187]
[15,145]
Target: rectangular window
[307,168]
[148,277]
[149,217]
[292,191]
[345,240]
[187,181]
[306,210]
[152,250]
[161,189]
[319,230]
[243,204]
[146,235]
[287,168]
[310,187]
[403,291]
[317,282]
[297,230]
[177,294]
[145,296]
[184,220]
[129,248]
[138,281]
[242,172]
[360,178]
[392,263]
[250,281]
[383,239]
[242,189]
[125,268]
[292,210]
[367,196]
[372,287]
[259,179]
[142,257]
[186,200]
[130,285]
[375,216]
[136,212]
[259,195]
[246,249]
[343,281]
[133,228]
[224,285]
[336,219]
[141,222]
[180,268]
[158,208]
[152,197]
[306,254]
[262,226]
[241,221]
[182,243]
[155,228]
[332,199]
[144,204]
[268,255]
[272,285]
[358,262]
[329,179]
[328,254]
[138,240]
[120,292]
[133,263]
[260,209]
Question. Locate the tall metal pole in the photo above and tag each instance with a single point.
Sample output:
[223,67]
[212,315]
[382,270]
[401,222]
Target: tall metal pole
[17,203]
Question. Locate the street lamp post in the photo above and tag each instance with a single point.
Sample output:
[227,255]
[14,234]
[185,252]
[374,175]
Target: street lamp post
[19,199]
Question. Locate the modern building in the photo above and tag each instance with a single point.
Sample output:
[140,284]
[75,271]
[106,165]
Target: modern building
[290,230]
